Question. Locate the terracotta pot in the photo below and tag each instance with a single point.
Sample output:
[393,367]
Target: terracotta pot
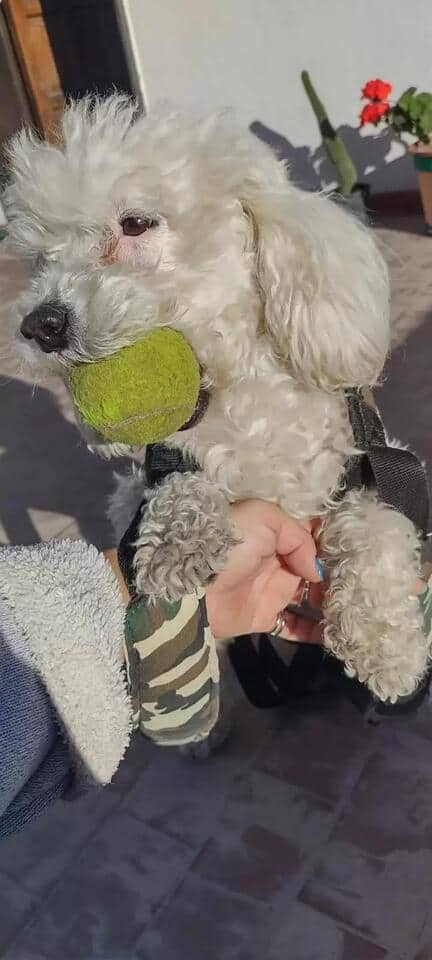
[422,155]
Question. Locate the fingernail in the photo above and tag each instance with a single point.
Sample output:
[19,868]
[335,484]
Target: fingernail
[319,568]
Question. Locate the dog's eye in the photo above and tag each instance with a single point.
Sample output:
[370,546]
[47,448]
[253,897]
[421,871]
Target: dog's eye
[135,226]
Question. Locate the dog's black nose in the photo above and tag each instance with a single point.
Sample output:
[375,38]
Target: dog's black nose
[48,325]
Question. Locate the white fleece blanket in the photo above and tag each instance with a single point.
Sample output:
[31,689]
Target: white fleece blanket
[66,600]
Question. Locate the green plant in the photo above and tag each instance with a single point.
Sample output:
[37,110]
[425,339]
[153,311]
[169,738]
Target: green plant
[333,143]
[412,113]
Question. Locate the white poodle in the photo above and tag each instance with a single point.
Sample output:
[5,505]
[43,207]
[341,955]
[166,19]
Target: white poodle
[282,295]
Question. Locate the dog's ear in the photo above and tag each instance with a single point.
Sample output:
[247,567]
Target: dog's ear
[324,285]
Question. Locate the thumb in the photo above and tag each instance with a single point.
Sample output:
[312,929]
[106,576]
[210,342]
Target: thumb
[298,549]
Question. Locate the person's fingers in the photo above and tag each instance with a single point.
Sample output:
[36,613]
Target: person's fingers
[283,587]
[290,539]
[297,548]
[302,629]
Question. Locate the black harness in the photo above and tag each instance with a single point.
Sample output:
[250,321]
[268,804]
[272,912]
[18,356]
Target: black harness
[400,481]
[397,475]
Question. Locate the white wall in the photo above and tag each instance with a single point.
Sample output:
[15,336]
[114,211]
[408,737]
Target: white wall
[249,54]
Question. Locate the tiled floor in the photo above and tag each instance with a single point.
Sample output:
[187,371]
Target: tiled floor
[309,837]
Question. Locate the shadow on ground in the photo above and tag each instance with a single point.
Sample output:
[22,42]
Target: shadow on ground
[45,466]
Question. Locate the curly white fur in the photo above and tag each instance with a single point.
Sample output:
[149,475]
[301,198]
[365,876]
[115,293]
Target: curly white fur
[184,538]
[373,623]
[283,297]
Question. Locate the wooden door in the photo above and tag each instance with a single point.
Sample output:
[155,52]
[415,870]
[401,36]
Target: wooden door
[14,105]
[33,50]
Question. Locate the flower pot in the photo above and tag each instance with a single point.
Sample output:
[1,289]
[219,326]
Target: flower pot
[423,164]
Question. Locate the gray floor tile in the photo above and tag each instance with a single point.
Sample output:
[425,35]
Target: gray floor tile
[202,921]
[190,810]
[384,899]
[423,949]
[390,807]
[15,954]
[109,894]
[16,907]
[309,935]
[38,856]
[324,762]
[259,863]
[266,832]
[140,754]
[302,819]
[425,952]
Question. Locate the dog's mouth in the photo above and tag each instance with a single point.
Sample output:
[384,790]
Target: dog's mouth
[49,327]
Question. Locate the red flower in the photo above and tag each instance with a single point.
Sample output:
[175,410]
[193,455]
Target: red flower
[373,113]
[376,90]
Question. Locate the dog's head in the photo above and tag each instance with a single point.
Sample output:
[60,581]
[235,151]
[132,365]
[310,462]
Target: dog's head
[129,217]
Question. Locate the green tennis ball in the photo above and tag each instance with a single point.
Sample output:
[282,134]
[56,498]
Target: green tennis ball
[141,394]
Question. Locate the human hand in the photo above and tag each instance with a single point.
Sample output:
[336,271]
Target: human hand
[264,572]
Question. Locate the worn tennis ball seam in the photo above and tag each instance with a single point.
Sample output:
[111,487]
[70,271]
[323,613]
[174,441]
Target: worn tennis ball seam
[163,411]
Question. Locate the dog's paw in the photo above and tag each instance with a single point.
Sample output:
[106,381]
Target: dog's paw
[183,538]
[392,660]
[372,622]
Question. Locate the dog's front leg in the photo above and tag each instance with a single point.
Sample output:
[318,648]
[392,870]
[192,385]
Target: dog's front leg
[183,538]
[372,622]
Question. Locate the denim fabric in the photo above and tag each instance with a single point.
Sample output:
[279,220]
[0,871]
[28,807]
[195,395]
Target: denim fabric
[35,764]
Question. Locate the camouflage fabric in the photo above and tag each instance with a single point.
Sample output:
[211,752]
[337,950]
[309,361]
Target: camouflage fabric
[173,669]
[425,600]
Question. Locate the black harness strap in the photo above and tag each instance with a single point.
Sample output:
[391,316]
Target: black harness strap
[264,676]
[398,475]
[161,461]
